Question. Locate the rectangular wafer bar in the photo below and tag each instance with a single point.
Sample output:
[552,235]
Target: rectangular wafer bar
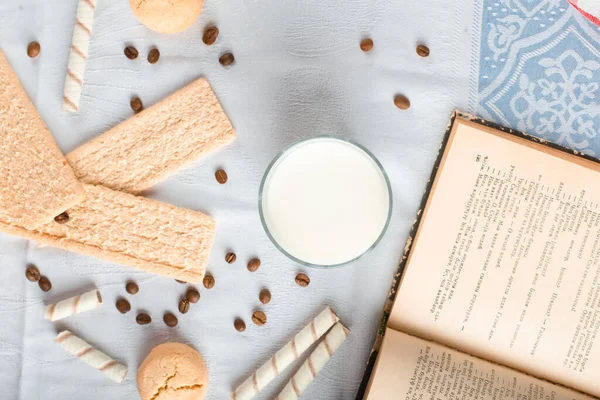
[37,182]
[157,142]
[133,231]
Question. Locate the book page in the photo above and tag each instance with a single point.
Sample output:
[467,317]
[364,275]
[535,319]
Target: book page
[506,261]
[410,368]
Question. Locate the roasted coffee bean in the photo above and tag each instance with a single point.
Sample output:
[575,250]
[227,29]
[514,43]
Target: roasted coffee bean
[184,306]
[123,306]
[264,296]
[259,318]
[32,273]
[131,52]
[62,218]
[302,280]
[221,176]
[143,319]
[192,296]
[33,49]
[170,320]
[136,104]
[45,284]
[402,102]
[423,50]
[366,44]
[132,288]
[253,264]
[209,281]
[230,258]
[210,35]
[239,325]
[226,59]
[153,56]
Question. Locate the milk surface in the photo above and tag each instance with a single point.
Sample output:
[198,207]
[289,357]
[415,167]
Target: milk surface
[325,201]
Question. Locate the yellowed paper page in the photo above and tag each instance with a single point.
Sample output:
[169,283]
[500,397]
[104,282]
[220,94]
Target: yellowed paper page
[506,264]
[410,368]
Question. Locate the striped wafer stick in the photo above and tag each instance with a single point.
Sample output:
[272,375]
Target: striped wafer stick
[91,356]
[286,355]
[314,363]
[79,52]
[74,305]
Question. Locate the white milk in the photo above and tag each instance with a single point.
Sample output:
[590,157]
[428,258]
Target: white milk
[325,201]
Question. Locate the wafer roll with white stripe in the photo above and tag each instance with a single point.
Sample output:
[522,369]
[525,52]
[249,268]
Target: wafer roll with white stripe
[314,363]
[91,356]
[79,52]
[286,355]
[74,305]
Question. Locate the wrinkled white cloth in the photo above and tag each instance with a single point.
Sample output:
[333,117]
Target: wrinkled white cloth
[298,72]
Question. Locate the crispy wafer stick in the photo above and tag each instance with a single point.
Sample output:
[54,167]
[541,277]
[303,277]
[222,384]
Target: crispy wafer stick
[91,356]
[314,363]
[74,305]
[286,355]
[79,52]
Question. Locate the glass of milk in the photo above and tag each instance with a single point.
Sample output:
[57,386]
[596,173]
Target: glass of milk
[325,201]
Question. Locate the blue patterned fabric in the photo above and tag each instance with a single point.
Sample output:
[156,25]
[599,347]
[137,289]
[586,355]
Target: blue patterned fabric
[539,71]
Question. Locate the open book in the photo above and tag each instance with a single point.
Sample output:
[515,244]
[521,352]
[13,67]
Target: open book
[498,294]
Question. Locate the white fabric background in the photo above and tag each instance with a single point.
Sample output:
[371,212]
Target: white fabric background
[298,72]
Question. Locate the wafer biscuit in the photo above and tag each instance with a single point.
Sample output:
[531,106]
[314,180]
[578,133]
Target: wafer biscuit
[91,356]
[133,231]
[37,182]
[157,142]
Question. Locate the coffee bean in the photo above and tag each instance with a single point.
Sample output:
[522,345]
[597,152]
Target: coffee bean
[193,296]
[366,44]
[402,102]
[209,281]
[136,104]
[170,320]
[226,59]
[153,56]
[230,258]
[253,264]
[62,218]
[132,288]
[32,273]
[221,176]
[123,306]
[131,52]
[239,325]
[210,35]
[423,50]
[259,318]
[184,306]
[265,296]
[182,282]
[33,49]
[302,280]
[45,284]
[143,319]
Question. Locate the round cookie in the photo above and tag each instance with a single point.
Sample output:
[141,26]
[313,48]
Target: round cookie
[166,16]
[173,371]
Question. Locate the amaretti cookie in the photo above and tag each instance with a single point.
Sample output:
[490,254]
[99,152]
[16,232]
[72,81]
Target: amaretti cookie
[173,371]
[37,182]
[166,16]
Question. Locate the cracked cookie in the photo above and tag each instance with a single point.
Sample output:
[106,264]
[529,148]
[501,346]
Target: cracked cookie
[173,371]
